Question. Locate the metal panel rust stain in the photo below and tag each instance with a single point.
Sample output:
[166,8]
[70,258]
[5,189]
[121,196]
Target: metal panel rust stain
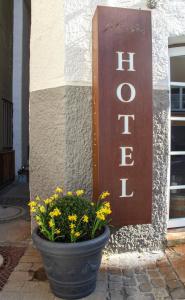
[126,30]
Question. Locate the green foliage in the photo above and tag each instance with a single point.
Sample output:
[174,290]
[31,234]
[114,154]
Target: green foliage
[70,218]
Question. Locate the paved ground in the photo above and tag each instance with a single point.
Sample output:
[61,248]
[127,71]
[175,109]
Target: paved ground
[131,276]
[16,229]
[128,276]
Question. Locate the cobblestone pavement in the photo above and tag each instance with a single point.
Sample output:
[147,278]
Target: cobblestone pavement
[128,276]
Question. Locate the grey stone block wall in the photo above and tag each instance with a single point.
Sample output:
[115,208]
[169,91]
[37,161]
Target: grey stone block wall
[61,153]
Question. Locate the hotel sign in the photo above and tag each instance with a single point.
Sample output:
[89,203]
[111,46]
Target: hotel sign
[122,112]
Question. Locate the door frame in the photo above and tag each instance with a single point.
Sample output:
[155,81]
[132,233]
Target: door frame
[176,222]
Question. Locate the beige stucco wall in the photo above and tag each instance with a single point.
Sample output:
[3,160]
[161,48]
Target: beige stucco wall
[61,39]
[47,44]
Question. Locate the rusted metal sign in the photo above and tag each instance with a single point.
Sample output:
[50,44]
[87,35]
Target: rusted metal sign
[122,112]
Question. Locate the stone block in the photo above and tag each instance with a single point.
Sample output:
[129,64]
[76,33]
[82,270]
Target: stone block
[129,281]
[178,293]
[32,251]
[36,266]
[30,259]
[165,270]
[135,297]
[117,296]
[20,276]
[115,278]
[13,286]
[145,287]
[128,272]
[173,284]
[153,273]
[158,282]
[101,286]
[114,270]
[37,296]
[11,296]
[151,266]
[102,276]
[162,262]
[130,291]
[142,278]
[115,285]
[96,296]
[37,287]
[23,266]
[170,276]
[140,270]
[160,293]
[148,297]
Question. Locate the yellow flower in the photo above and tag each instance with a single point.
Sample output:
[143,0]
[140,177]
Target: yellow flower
[42,209]
[57,231]
[37,218]
[92,203]
[48,201]
[55,213]
[106,211]
[69,194]
[72,226]
[106,208]
[104,195]
[55,196]
[72,218]
[100,215]
[51,223]
[32,203]
[79,192]
[106,204]
[58,190]
[85,219]
[37,198]
[32,209]
[77,234]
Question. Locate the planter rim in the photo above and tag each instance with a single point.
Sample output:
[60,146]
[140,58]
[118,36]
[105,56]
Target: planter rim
[78,245]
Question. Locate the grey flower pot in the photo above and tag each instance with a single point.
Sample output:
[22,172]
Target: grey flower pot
[72,267]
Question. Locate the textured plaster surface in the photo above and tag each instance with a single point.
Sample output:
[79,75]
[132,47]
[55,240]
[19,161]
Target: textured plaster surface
[168,20]
[61,39]
[60,139]
[47,140]
[78,129]
[61,153]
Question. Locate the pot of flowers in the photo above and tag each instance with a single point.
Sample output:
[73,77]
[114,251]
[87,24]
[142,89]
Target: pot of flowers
[71,234]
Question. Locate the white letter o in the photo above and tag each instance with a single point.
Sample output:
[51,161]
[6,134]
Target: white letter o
[132,92]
